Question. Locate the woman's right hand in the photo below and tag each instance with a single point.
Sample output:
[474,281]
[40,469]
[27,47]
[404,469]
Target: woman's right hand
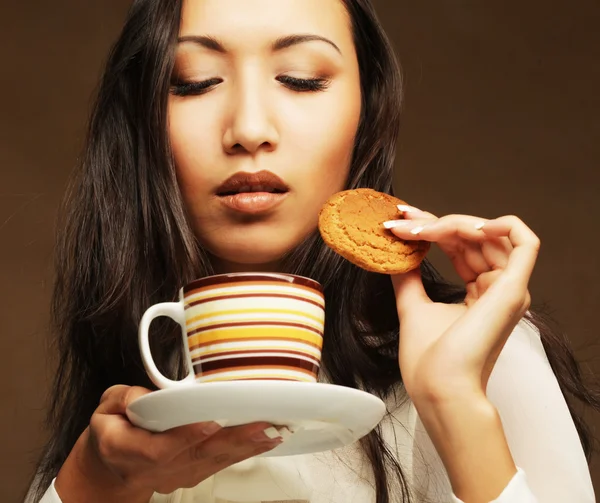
[116,460]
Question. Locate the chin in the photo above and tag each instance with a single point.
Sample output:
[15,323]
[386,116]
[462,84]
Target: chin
[254,247]
[249,255]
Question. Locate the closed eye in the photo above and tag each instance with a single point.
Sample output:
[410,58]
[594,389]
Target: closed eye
[193,88]
[293,83]
[304,85]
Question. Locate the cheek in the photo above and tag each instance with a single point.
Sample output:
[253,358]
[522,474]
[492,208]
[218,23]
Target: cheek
[186,133]
[326,140]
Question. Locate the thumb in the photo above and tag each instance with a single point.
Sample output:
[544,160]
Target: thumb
[409,290]
[116,398]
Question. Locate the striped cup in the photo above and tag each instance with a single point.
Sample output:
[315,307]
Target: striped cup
[244,326]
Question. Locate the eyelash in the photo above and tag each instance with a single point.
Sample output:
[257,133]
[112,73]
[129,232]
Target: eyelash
[293,83]
[304,85]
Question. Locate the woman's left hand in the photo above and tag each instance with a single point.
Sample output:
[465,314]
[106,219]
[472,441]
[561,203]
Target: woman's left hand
[448,351]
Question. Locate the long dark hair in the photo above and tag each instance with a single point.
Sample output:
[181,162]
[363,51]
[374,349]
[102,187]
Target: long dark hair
[125,244]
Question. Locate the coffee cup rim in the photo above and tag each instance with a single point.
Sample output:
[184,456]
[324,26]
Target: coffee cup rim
[277,276]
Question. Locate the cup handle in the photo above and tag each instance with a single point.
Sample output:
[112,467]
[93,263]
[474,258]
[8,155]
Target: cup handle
[175,311]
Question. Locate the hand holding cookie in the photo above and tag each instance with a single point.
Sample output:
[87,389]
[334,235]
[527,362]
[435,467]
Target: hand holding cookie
[447,351]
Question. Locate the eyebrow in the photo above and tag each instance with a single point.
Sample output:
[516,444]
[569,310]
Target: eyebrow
[281,43]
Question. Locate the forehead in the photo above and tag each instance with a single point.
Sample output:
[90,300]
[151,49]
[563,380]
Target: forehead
[248,20]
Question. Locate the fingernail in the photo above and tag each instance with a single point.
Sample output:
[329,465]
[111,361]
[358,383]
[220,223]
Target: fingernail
[395,223]
[212,428]
[479,225]
[407,209]
[270,433]
[417,230]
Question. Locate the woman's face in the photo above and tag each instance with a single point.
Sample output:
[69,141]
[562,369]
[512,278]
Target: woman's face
[263,111]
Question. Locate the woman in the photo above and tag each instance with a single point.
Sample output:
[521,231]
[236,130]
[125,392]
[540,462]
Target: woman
[199,90]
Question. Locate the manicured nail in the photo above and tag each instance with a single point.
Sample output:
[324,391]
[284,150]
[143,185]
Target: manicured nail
[390,224]
[269,433]
[479,225]
[211,428]
[407,209]
[417,230]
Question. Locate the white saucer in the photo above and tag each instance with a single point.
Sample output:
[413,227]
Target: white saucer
[322,416]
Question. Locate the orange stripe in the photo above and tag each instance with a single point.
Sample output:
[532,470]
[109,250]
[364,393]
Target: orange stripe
[199,345]
[254,333]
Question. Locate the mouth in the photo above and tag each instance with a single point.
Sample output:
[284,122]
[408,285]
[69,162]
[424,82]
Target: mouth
[252,193]
[248,189]
[251,183]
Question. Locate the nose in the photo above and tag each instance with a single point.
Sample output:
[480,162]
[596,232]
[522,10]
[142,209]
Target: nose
[250,127]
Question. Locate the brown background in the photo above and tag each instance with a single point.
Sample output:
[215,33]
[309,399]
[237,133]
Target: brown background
[501,116]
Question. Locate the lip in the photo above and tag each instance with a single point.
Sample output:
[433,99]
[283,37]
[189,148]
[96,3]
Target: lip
[253,202]
[262,191]
[242,179]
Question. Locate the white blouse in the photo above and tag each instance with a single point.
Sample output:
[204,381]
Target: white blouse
[541,435]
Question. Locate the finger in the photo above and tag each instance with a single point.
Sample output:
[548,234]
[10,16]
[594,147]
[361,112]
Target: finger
[460,237]
[445,229]
[489,255]
[409,290]
[526,246]
[207,466]
[188,441]
[485,280]
[411,212]
[496,251]
[472,259]
[167,444]
[233,444]
[116,398]
[505,298]
[468,257]
[466,254]
[477,288]
[472,295]
[116,437]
